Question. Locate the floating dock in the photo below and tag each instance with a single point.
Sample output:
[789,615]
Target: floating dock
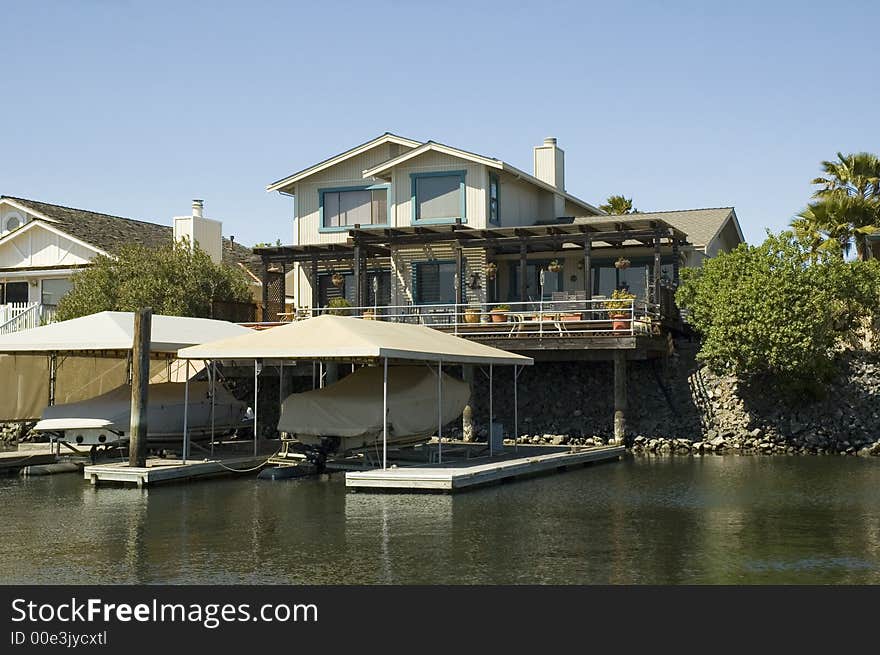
[12,461]
[164,471]
[461,474]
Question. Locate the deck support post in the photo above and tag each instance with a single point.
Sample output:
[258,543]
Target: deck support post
[619,396]
[467,415]
[515,409]
[385,415]
[523,267]
[140,383]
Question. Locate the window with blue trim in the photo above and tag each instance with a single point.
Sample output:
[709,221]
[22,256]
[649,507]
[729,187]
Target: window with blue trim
[346,207]
[438,197]
[494,217]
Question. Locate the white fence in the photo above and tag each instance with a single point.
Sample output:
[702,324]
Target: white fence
[552,318]
[15,317]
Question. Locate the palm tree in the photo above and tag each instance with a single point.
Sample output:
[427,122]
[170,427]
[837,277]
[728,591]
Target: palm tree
[847,205]
[618,205]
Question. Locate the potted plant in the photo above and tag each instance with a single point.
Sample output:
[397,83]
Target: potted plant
[491,270]
[619,308]
[338,280]
[555,266]
[368,315]
[499,313]
[338,307]
[622,263]
[472,315]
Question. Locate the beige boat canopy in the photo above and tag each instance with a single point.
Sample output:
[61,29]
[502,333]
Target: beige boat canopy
[85,357]
[343,338]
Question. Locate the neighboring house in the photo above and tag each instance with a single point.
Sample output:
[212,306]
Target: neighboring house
[411,223]
[42,245]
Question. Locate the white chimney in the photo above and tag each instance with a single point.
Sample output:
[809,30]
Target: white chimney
[550,163]
[197,229]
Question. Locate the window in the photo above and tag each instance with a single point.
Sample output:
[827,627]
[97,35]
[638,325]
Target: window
[343,208]
[534,290]
[13,223]
[493,200]
[13,292]
[434,282]
[438,197]
[54,290]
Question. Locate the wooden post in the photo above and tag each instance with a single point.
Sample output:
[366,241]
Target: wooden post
[357,264]
[657,271]
[523,267]
[619,396]
[315,286]
[140,384]
[265,316]
[588,268]
[675,263]
[459,280]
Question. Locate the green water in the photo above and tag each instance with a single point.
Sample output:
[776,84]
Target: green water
[680,520]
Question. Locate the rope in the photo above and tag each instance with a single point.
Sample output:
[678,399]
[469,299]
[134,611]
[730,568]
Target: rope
[249,470]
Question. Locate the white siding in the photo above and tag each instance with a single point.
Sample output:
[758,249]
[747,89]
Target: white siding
[402,260]
[40,248]
[521,203]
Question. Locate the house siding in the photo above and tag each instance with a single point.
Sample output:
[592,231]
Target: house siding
[402,270]
[40,248]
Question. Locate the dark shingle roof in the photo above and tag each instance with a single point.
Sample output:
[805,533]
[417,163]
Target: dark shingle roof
[109,233]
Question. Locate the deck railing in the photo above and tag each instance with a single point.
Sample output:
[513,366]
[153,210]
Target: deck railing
[547,319]
[15,317]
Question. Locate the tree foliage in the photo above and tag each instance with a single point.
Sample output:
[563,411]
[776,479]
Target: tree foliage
[618,205]
[174,280]
[846,206]
[778,309]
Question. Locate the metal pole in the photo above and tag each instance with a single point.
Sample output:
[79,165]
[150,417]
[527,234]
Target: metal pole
[515,412]
[256,402]
[385,417]
[213,390]
[186,414]
[440,412]
[490,410]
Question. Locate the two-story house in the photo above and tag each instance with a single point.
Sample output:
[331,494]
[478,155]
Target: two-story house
[433,224]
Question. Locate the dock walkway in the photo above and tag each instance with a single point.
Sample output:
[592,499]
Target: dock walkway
[466,473]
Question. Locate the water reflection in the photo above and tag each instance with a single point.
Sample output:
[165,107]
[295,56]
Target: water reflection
[710,520]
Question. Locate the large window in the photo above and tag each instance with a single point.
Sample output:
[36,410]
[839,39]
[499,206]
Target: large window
[493,200]
[534,289]
[434,282]
[54,290]
[343,208]
[438,197]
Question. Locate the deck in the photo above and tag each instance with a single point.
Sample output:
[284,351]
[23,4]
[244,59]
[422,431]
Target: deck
[463,474]
[163,471]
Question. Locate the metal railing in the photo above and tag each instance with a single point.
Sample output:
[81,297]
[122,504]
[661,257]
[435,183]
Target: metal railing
[551,318]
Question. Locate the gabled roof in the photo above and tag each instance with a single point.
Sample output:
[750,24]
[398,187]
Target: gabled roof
[108,233]
[702,226]
[491,162]
[332,161]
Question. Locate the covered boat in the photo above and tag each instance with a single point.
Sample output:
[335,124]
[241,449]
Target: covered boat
[348,414]
[106,419]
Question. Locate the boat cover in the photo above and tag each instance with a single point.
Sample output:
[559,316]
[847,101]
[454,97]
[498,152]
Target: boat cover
[352,407]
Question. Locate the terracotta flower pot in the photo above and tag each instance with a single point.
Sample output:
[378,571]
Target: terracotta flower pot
[472,316]
[499,316]
[620,322]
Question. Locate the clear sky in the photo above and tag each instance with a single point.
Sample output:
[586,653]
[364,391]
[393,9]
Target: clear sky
[135,108]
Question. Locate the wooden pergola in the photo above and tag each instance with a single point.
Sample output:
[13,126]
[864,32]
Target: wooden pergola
[364,243]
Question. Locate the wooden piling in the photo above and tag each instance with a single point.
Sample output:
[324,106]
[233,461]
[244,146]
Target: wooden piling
[140,384]
[619,396]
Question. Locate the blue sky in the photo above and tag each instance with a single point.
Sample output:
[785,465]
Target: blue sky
[135,108]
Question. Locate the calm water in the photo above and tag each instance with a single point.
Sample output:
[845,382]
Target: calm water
[713,520]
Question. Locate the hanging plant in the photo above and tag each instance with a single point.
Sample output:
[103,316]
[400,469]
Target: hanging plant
[338,280]
[621,263]
[554,266]
[491,270]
